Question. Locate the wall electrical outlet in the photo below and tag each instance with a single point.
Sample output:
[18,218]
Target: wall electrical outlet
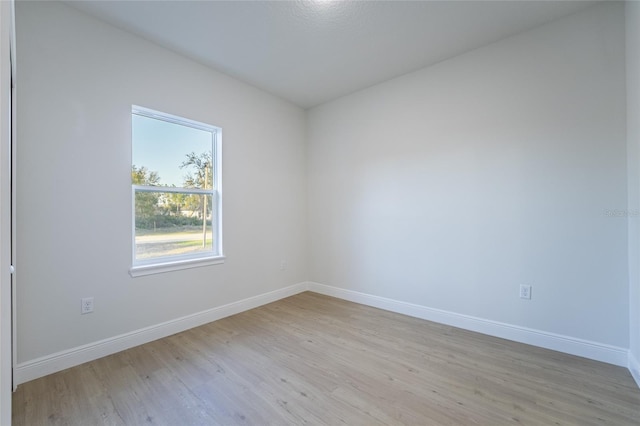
[525,292]
[86,305]
[283,265]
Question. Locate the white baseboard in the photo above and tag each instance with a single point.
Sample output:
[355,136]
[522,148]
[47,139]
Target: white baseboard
[571,345]
[49,364]
[634,368]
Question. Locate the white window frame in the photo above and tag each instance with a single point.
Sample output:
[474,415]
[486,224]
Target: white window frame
[179,262]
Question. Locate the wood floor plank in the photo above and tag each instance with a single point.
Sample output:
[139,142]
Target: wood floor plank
[313,359]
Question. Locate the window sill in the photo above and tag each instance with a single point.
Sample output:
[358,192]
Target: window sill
[160,268]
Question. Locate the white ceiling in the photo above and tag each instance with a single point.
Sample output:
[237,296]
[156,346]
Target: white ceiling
[310,52]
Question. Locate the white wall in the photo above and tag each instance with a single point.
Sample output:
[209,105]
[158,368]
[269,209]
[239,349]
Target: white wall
[451,186]
[633,160]
[447,188]
[78,80]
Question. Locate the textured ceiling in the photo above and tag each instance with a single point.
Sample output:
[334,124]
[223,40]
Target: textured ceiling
[310,52]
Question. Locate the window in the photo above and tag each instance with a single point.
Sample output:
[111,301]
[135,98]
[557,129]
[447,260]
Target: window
[175,186]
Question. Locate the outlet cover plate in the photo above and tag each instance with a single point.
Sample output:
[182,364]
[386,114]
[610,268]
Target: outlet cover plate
[525,292]
[86,305]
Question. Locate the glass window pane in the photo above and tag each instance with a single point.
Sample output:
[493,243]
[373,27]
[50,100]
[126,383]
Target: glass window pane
[176,154]
[173,224]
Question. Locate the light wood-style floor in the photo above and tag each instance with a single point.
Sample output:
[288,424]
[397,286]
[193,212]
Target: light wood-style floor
[312,359]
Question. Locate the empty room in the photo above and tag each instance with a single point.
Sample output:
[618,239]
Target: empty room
[319,212]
